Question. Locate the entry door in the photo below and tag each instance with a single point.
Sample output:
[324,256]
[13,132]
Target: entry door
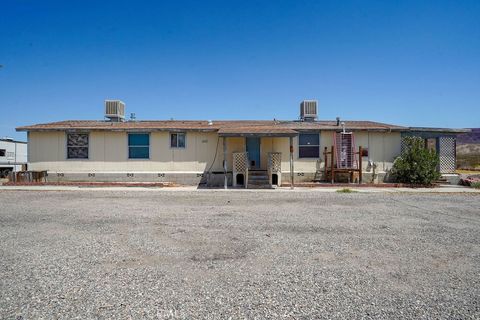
[253,149]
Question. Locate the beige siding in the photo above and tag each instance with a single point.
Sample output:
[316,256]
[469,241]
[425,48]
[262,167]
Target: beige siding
[47,146]
[383,147]
[108,152]
[275,145]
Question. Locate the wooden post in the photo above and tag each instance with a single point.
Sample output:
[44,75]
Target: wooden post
[291,163]
[360,165]
[225,162]
[332,170]
[325,159]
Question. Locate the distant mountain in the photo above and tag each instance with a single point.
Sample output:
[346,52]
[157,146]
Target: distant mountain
[469,138]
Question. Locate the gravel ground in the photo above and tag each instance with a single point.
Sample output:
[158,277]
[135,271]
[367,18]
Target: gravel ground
[255,255]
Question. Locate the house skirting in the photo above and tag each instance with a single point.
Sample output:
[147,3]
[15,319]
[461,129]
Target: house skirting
[214,179]
[367,177]
[181,178]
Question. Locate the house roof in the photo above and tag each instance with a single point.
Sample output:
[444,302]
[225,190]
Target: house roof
[439,130]
[271,131]
[223,127]
[12,140]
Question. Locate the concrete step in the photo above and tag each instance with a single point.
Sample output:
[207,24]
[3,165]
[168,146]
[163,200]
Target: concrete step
[442,180]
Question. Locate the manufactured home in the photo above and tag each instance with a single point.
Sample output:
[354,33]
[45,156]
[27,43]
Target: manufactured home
[224,153]
[13,156]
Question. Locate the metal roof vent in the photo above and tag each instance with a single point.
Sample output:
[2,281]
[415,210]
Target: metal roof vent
[115,110]
[308,110]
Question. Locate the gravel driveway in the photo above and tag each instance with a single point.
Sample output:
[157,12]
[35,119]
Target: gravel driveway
[240,254]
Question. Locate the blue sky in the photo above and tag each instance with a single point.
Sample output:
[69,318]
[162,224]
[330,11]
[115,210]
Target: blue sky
[404,62]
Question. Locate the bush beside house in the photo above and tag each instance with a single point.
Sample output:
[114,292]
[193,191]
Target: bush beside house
[417,164]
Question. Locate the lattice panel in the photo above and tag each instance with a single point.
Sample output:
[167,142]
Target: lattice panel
[402,145]
[240,162]
[447,154]
[345,150]
[275,161]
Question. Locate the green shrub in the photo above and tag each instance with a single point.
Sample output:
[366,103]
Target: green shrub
[475,185]
[417,164]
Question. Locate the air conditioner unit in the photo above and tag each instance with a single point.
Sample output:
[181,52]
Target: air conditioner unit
[308,110]
[115,110]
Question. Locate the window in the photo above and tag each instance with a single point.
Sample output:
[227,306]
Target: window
[2,152]
[309,145]
[177,140]
[77,145]
[138,146]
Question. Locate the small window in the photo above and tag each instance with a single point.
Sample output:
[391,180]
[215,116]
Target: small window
[77,146]
[309,145]
[2,152]
[138,146]
[177,140]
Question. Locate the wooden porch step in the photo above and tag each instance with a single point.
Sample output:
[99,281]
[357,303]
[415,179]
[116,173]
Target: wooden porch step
[258,179]
[265,177]
[259,186]
[257,172]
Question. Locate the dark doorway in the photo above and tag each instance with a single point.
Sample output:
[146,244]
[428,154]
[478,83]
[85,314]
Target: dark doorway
[240,179]
[275,179]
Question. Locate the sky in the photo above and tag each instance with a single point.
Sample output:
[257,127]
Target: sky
[412,63]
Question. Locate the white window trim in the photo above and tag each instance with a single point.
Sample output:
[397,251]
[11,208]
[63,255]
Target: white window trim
[170,140]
